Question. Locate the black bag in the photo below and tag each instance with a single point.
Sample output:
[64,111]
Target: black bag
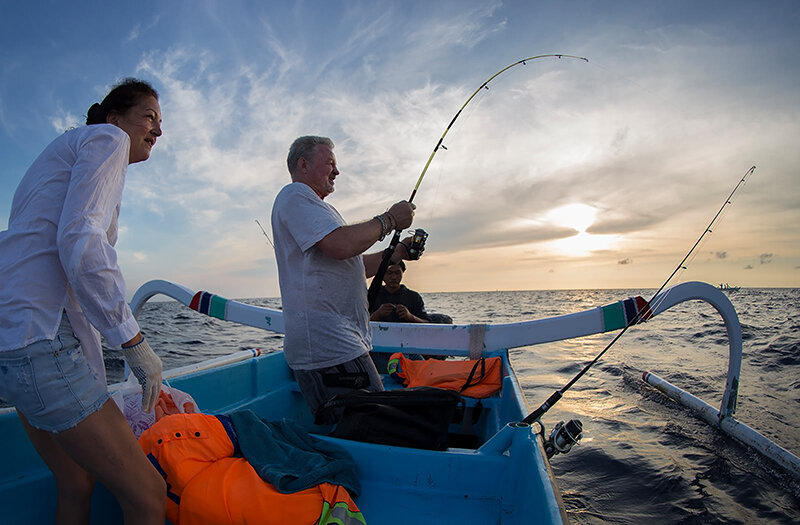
[412,417]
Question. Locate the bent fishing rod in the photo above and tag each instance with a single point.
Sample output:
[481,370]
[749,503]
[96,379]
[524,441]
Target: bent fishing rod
[375,286]
[643,314]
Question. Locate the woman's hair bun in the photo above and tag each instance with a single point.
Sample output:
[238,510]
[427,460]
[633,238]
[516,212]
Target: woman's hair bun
[95,114]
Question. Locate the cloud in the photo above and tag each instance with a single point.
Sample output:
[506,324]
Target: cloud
[485,228]
[765,258]
[137,30]
[545,138]
[65,120]
[288,58]
[653,157]
[227,164]
[618,143]
[231,159]
[464,28]
[622,221]
[134,32]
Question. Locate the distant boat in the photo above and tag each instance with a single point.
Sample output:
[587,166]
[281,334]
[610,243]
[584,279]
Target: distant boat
[728,288]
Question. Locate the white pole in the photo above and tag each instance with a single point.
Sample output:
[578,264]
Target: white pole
[728,424]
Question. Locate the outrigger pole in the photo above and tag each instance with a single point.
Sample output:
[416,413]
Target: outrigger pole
[644,314]
[375,286]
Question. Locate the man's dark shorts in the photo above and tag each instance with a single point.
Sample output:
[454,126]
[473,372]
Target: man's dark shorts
[322,384]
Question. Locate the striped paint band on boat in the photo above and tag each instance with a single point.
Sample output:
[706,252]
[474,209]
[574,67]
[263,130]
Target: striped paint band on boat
[620,314]
[209,304]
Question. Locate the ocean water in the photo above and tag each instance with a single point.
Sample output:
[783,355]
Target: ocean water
[643,457]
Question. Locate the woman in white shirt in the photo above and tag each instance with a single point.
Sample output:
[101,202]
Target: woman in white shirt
[60,285]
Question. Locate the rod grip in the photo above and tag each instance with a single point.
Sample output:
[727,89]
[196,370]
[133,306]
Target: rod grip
[539,412]
[375,285]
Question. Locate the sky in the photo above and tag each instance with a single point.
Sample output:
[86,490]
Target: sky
[564,174]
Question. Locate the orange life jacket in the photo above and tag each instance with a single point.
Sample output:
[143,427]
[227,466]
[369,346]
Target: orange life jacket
[206,485]
[471,378]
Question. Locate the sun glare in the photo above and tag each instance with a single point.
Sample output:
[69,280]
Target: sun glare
[579,217]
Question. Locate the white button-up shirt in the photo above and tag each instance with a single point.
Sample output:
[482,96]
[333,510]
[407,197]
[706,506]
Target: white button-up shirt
[58,254]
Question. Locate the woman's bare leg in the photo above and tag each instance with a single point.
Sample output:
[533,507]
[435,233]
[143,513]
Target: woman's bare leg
[104,446]
[74,484]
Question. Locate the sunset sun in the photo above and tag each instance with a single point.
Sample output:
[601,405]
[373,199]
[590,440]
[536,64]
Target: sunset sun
[579,217]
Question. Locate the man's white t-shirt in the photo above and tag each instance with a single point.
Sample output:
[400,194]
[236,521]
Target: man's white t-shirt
[324,300]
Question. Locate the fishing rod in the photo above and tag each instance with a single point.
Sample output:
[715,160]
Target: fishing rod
[375,286]
[643,314]
[265,234]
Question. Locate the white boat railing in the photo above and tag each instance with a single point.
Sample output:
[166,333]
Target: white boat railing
[461,338]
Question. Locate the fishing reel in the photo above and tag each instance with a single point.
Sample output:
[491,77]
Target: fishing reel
[417,245]
[563,437]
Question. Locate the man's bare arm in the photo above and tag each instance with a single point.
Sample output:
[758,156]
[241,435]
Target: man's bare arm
[354,239]
[351,240]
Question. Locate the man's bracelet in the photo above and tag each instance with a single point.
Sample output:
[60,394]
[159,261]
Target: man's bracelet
[383,227]
[392,221]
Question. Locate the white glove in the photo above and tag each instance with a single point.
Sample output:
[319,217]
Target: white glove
[146,366]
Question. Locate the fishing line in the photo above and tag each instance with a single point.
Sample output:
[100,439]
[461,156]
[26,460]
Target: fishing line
[723,211]
[690,261]
[375,286]
[642,315]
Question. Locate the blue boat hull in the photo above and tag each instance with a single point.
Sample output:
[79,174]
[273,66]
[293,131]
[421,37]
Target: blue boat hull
[506,480]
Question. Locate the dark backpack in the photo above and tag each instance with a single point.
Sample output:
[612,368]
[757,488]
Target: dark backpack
[412,417]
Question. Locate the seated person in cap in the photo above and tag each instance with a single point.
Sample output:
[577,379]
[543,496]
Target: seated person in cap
[396,303]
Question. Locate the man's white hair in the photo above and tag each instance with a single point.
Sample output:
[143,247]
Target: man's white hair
[303,148]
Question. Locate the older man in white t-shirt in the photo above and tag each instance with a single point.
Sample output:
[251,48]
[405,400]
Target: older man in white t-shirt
[322,271]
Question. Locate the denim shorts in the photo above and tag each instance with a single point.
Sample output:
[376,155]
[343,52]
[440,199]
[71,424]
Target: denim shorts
[51,383]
